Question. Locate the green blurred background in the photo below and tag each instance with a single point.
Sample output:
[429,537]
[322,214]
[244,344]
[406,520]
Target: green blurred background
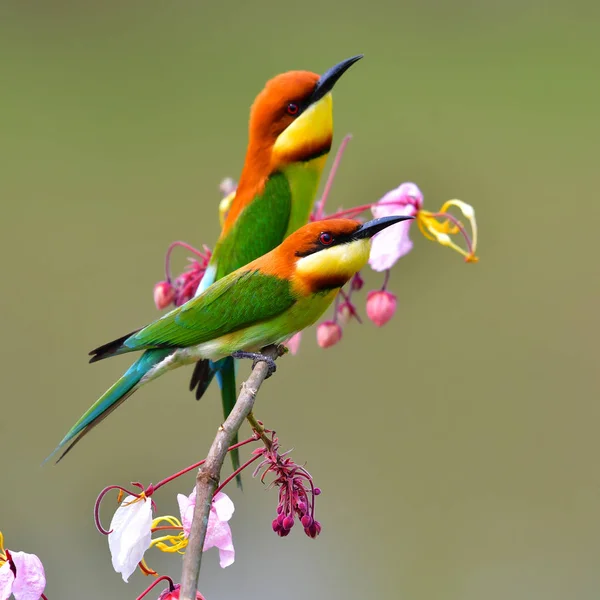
[457,447]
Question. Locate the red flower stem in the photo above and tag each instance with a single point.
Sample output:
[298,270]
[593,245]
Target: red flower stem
[43,597]
[170,249]
[385,280]
[200,463]
[320,209]
[236,472]
[154,583]
[336,304]
[346,297]
[99,500]
[358,209]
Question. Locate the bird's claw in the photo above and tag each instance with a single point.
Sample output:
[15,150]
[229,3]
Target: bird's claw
[256,358]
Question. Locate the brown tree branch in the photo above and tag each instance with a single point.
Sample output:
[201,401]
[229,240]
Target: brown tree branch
[209,474]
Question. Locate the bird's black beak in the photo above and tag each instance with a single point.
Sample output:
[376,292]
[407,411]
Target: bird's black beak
[370,228]
[330,78]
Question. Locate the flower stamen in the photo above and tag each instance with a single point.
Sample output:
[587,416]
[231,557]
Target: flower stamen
[440,226]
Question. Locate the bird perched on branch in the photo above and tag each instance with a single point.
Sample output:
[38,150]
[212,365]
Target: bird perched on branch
[290,134]
[264,302]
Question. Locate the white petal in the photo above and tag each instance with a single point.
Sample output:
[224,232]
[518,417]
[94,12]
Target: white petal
[223,506]
[130,536]
[6,581]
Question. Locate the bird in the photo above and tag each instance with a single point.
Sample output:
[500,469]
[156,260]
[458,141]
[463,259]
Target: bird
[262,303]
[289,139]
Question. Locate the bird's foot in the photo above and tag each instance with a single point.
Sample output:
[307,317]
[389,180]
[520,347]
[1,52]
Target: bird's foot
[257,357]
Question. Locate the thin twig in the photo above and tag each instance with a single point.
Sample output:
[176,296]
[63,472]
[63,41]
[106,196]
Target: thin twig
[208,476]
[259,430]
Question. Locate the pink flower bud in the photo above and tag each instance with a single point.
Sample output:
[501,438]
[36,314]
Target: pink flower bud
[329,333]
[306,521]
[344,312]
[288,522]
[164,294]
[314,530]
[381,306]
[293,344]
[357,282]
[174,594]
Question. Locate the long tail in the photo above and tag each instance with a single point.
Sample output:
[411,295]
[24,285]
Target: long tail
[224,369]
[110,400]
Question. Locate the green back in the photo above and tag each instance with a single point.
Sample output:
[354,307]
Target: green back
[259,228]
[232,303]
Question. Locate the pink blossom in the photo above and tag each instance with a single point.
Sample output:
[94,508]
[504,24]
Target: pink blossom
[22,575]
[394,242]
[381,306]
[329,333]
[218,532]
[164,294]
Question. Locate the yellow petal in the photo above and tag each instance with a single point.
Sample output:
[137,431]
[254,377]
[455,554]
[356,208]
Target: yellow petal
[224,207]
[442,225]
[469,212]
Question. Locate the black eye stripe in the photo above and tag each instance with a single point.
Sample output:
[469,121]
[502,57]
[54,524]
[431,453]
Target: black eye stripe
[318,245]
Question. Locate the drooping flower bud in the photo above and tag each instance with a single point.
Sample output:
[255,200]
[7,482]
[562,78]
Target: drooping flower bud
[329,333]
[344,313]
[173,594]
[381,306]
[293,344]
[357,282]
[164,294]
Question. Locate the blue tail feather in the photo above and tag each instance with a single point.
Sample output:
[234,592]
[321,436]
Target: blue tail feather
[110,400]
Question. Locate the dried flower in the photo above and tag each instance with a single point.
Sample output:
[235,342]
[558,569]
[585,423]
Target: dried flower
[296,491]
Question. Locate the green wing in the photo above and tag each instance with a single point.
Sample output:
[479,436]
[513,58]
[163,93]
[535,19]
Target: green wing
[259,228]
[232,303]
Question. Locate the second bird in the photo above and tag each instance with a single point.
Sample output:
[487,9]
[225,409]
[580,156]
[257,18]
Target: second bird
[290,135]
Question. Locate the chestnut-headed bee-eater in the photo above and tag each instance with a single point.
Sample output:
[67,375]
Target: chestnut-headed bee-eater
[264,302]
[290,134]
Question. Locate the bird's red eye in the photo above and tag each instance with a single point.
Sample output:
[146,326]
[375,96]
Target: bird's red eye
[326,238]
[292,109]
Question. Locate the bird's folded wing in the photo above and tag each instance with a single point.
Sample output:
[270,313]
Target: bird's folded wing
[230,304]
